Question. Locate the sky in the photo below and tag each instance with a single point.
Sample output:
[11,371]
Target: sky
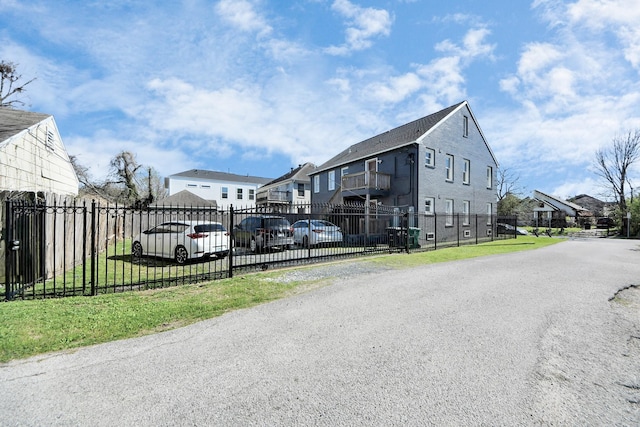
[256,87]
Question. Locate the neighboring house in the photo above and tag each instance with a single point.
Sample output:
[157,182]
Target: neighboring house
[598,207]
[551,211]
[440,163]
[225,189]
[33,158]
[287,193]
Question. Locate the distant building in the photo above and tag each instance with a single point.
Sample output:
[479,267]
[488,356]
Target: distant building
[287,193]
[551,211]
[598,207]
[224,189]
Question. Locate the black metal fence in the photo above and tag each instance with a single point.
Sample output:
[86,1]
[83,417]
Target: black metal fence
[90,249]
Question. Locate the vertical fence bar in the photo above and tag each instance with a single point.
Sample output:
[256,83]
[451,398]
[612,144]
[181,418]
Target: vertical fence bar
[231,243]
[94,289]
[8,250]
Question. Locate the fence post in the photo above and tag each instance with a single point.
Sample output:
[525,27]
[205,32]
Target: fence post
[94,289]
[231,243]
[477,229]
[8,265]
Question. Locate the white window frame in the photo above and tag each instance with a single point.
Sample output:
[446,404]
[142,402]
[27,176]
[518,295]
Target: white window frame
[448,210]
[429,205]
[316,183]
[449,167]
[489,213]
[252,194]
[430,158]
[239,194]
[465,126]
[466,171]
[331,180]
[224,192]
[489,177]
[466,208]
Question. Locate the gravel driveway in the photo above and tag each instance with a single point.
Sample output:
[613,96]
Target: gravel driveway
[544,337]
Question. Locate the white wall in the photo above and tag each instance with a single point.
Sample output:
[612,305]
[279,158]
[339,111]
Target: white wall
[212,190]
[36,160]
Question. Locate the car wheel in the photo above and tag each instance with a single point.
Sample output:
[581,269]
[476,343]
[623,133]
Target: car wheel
[136,251]
[305,241]
[181,255]
[255,248]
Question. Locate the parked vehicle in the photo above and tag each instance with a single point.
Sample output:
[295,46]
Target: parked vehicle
[182,241]
[263,232]
[312,232]
[605,223]
[510,229]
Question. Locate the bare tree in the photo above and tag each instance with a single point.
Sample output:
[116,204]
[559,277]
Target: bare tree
[507,183]
[9,85]
[613,164]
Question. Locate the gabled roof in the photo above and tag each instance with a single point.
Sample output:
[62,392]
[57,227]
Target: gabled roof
[221,176]
[391,139]
[301,173]
[12,122]
[184,198]
[556,202]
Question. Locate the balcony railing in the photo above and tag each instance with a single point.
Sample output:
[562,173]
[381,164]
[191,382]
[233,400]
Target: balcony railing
[274,196]
[368,180]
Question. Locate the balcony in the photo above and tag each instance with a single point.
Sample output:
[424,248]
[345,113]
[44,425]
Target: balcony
[274,196]
[368,182]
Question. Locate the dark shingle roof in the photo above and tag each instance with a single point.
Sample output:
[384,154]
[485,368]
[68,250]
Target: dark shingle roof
[222,176]
[388,140]
[13,121]
[302,170]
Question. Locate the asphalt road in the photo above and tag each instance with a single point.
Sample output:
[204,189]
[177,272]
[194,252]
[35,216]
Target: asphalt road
[529,338]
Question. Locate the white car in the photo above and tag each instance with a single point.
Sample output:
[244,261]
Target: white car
[182,241]
[315,232]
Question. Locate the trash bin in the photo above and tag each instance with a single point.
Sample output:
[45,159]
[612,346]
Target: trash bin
[587,226]
[396,237]
[414,236]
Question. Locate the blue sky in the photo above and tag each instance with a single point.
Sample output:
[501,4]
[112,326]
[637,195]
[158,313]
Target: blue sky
[259,86]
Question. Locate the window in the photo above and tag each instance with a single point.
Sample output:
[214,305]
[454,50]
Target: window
[466,204]
[316,184]
[489,177]
[300,189]
[448,164]
[489,213]
[465,126]
[430,157]
[466,171]
[332,180]
[252,194]
[429,204]
[225,192]
[205,186]
[239,194]
[191,185]
[448,210]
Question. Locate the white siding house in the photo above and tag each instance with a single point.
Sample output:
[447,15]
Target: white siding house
[224,189]
[288,193]
[32,155]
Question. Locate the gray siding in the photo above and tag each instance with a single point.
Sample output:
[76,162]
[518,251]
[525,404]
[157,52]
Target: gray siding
[448,138]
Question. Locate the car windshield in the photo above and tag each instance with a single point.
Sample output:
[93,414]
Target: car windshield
[201,228]
[276,223]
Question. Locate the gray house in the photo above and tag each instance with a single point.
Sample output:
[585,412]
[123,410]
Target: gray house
[440,163]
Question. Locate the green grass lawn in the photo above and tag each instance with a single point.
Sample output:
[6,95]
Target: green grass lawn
[34,327]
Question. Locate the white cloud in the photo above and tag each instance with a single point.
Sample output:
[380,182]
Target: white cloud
[364,24]
[242,14]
